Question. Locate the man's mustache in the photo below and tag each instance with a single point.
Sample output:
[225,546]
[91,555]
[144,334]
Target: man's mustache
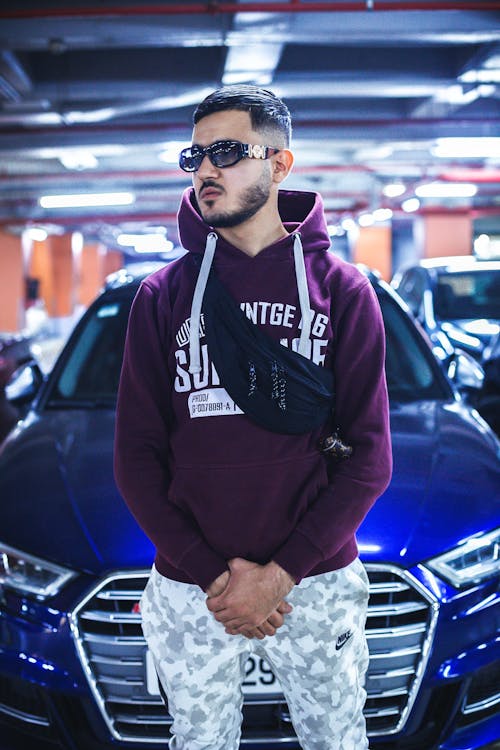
[211,184]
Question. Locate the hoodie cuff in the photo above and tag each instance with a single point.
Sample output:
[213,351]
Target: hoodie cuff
[202,564]
[298,556]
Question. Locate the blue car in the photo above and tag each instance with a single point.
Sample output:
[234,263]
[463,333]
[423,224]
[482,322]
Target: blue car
[74,669]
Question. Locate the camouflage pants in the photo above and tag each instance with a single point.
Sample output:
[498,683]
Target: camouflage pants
[319,655]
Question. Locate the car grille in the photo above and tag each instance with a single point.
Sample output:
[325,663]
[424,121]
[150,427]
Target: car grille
[107,630]
[483,695]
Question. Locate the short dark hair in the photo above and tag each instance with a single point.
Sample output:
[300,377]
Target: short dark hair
[267,111]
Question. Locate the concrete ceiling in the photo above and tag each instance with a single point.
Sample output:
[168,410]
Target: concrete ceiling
[92,94]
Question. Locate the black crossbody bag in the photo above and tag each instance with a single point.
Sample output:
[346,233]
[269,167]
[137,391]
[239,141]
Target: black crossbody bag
[276,387]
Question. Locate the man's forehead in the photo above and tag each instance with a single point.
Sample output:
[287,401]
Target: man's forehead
[229,124]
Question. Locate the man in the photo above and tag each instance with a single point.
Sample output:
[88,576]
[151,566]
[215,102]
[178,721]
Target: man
[253,527]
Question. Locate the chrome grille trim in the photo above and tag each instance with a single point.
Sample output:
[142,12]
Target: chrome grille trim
[400,628]
[486,703]
[15,713]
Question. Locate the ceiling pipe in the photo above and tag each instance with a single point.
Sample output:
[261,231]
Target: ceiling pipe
[213,7]
[299,125]
[489,177]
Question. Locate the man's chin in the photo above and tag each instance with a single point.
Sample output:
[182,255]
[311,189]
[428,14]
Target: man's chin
[219,221]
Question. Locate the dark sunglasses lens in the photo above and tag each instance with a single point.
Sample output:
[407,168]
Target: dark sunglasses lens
[226,154]
[190,160]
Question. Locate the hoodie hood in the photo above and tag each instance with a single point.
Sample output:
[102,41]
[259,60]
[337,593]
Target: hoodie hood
[300,211]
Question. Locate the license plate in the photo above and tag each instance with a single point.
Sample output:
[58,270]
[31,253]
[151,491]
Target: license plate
[259,677]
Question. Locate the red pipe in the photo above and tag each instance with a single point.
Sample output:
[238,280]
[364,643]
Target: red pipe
[79,221]
[157,174]
[212,7]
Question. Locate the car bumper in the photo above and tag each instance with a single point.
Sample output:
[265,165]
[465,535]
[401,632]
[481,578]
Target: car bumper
[50,687]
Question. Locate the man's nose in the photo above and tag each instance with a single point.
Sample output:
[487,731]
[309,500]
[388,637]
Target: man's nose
[206,168]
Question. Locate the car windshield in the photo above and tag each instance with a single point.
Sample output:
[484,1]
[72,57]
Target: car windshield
[412,372]
[88,374]
[91,364]
[468,295]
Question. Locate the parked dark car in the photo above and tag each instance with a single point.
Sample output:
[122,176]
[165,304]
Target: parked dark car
[15,351]
[457,301]
[487,400]
[74,667]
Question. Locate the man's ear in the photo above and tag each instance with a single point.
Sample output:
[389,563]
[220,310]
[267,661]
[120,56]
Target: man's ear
[281,164]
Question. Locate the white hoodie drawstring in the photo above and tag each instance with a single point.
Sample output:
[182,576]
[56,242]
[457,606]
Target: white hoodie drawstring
[199,291]
[305,308]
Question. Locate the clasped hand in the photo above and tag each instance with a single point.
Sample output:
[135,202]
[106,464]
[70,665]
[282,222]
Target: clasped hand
[249,598]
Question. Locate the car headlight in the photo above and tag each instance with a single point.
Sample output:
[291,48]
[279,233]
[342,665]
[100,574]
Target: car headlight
[31,575]
[471,561]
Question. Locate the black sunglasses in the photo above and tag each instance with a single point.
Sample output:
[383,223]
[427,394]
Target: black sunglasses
[222,154]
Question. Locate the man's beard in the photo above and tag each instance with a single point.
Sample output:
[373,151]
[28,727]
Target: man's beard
[251,201]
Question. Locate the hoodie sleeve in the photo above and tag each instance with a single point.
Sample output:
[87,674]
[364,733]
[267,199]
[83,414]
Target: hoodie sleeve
[142,446]
[362,415]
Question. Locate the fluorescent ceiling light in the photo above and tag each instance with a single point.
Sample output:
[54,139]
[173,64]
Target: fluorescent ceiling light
[369,153]
[157,247]
[255,76]
[457,94]
[78,159]
[394,189]
[86,199]
[158,104]
[382,214]
[479,148]
[37,234]
[480,76]
[366,220]
[412,204]
[170,154]
[334,230]
[146,243]
[253,62]
[446,190]
[348,225]
[487,247]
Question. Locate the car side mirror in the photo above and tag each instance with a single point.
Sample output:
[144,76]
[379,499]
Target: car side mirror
[24,384]
[465,371]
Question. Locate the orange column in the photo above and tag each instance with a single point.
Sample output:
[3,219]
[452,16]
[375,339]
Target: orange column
[52,262]
[63,274]
[446,235]
[373,248]
[11,283]
[91,273]
[40,267]
[113,261]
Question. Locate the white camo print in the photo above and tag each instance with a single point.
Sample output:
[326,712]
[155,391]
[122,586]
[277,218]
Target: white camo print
[320,668]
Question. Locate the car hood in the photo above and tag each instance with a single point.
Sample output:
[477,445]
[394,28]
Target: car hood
[59,500]
[58,496]
[444,486]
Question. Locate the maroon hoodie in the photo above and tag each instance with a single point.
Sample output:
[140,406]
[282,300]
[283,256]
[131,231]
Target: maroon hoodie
[204,482]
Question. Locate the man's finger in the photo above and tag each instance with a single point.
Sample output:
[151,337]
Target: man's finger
[214,603]
[246,632]
[276,620]
[284,608]
[267,628]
